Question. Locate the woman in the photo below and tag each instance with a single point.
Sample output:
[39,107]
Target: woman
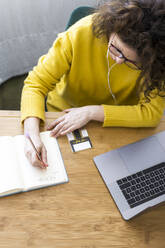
[108,67]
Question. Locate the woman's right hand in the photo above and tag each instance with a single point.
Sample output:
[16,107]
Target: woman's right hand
[31,127]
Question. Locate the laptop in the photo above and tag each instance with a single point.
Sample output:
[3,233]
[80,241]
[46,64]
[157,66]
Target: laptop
[135,174]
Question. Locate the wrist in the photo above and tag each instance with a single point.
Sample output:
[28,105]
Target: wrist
[32,126]
[96,113]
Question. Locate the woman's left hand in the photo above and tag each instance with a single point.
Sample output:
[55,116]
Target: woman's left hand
[75,118]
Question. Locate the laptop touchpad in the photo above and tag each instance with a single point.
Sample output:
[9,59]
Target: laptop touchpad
[142,154]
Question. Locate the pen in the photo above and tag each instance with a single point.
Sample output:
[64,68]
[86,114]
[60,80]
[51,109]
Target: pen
[37,153]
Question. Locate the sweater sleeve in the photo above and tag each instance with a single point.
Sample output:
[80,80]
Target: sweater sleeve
[144,114]
[43,78]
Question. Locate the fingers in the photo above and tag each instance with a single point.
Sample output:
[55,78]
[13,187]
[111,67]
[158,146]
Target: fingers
[36,162]
[51,125]
[44,156]
[67,130]
[73,118]
[33,159]
[32,156]
[68,110]
[57,125]
[62,126]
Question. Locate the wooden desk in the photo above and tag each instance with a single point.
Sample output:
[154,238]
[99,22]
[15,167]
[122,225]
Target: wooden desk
[81,213]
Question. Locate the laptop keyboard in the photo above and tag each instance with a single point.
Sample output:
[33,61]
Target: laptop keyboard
[144,185]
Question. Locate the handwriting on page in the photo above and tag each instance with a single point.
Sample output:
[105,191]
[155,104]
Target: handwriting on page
[49,176]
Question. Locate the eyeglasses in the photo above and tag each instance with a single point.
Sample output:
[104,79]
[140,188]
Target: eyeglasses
[117,53]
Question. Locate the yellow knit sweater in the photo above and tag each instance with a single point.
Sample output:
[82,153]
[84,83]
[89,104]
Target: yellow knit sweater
[74,73]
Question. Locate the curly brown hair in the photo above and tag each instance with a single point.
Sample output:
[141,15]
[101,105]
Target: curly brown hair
[141,25]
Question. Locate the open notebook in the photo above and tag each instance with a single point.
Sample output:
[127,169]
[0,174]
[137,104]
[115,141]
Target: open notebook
[18,175]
